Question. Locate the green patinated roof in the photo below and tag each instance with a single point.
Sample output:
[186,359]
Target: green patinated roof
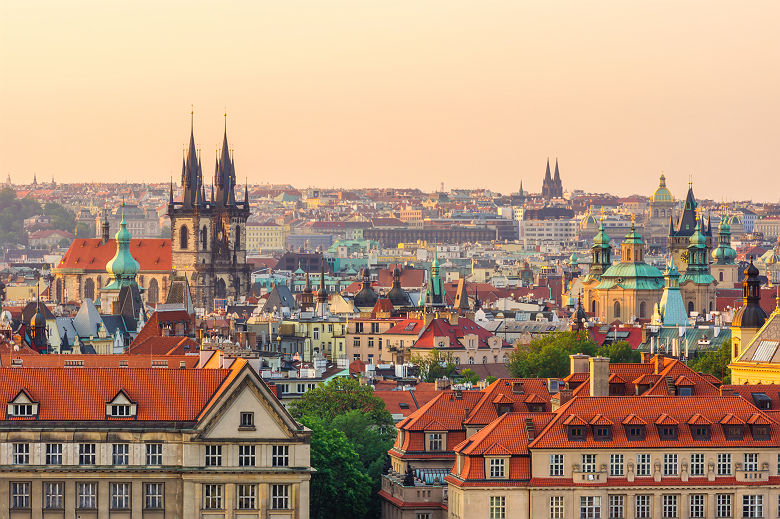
[697,238]
[122,267]
[633,236]
[667,334]
[701,278]
[601,239]
[632,275]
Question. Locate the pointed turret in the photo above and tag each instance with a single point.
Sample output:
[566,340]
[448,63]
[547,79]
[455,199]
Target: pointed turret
[191,174]
[225,176]
[123,267]
[557,184]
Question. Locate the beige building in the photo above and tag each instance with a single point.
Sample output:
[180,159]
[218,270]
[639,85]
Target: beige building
[267,236]
[159,443]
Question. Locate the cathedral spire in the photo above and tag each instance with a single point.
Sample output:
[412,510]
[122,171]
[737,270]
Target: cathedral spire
[191,171]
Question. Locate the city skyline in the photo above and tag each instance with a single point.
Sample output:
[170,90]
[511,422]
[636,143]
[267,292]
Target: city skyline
[368,95]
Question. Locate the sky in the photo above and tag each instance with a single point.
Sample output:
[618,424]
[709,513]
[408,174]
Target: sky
[361,93]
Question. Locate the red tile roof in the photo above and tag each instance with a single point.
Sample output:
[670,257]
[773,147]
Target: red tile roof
[485,411]
[98,361]
[455,332]
[91,254]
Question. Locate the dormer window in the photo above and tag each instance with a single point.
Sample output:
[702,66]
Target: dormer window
[576,433]
[760,432]
[667,432]
[635,433]
[120,410]
[247,422]
[121,406]
[602,433]
[762,401]
[733,432]
[700,432]
[517,388]
[22,406]
[23,410]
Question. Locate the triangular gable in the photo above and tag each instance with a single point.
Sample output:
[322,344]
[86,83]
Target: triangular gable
[23,397]
[121,398]
[502,399]
[665,419]
[600,419]
[435,425]
[732,419]
[759,419]
[573,419]
[633,419]
[497,450]
[698,419]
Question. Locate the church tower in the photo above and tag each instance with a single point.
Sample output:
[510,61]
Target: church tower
[681,232]
[208,237]
[750,317]
[724,268]
[697,284]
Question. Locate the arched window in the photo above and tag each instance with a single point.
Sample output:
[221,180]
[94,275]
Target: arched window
[471,360]
[484,359]
[204,241]
[220,291]
[183,237]
[593,307]
[238,237]
[690,307]
[89,289]
[58,290]
[617,308]
[628,254]
[720,276]
[152,293]
[642,310]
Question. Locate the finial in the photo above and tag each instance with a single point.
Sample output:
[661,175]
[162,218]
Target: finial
[192,118]
[777,299]
[602,213]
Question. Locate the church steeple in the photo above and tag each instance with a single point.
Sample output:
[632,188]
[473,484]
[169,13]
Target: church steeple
[225,175]
[192,176]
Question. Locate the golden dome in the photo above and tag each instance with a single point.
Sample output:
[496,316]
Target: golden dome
[662,194]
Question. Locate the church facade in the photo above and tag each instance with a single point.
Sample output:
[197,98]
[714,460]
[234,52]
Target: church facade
[208,235]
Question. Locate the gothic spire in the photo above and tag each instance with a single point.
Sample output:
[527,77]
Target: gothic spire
[191,172]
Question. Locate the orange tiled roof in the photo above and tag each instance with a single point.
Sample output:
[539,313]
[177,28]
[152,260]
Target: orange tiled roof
[485,411]
[91,254]
[455,332]
[98,361]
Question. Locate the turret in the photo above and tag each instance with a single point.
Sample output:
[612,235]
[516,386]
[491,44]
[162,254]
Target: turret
[750,317]
[105,227]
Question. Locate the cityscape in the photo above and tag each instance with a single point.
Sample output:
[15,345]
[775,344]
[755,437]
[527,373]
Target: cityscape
[518,336]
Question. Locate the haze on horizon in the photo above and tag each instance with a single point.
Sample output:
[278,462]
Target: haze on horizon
[357,93]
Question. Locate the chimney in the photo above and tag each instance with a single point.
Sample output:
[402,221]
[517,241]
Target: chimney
[726,391]
[578,363]
[657,364]
[458,394]
[599,376]
[645,357]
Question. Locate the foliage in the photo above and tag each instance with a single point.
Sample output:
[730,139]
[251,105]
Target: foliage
[469,376]
[338,396]
[339,488]
[61,218]
[436,364]
[714,362]
[490,379]
[619,352]
[13,212]
[84,231]
[548,355]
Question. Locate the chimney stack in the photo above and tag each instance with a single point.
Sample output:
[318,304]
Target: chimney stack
[578,363]
[599,376]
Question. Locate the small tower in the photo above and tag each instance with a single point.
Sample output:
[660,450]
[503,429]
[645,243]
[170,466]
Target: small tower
[601,252]
[724,267]
[750,317]
[105,227]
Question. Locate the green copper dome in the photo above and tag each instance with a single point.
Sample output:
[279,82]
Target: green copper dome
[573,260]
[122,267]
[662,194]
[601,239]
[697,238]
[633,236]
[637,275]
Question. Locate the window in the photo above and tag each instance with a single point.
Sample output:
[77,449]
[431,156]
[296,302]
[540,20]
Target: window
[435,441]
[590,507]
[724,464]
[642,464]
[86,453]
[23,410]
[556,507]
[576,432]
[370,342]
[54,454]
[696,505]
[734,432]
[497,467]
[154,454]
[697,465]
[120,496]
[53,495]
[588,463]
[119,454]
[556,464]
[668,432]
[617,509]
[753,505]
[247,420]
[670,464]
[212,496]
[602,433]
[723,505]
[635,432]
[423,515]
[86,496]
[316,334]
[669,505]
[280,455]
[21,454]
[247,497]
[246,455]
[642,506]
[751,461]
[120,410]
[356,343]
[153,496]
[701,432]
[615,464]
[280,497]
[213,455]
[497,507]
[20,494]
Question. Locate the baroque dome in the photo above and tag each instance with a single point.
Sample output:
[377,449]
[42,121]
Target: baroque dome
[662,194]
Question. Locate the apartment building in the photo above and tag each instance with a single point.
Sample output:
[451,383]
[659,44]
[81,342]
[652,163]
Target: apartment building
[159,443]
[267,236]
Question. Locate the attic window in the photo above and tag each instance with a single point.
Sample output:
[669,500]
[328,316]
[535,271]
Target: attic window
[685,390]
[733,432]
[667,432]
[760,432]
[121,406]
[23,410]
[74,363]
[635,432]
[700,432]
[247,421]
[403,405]
[602,433]
[123,364]
[762,401]
[576,433]
[518,388]
[22,406]
[120,410]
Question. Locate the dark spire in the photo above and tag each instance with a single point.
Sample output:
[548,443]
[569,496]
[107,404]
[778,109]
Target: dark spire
[547,175]
[170,194]
[558,186]
[322,295]
[750,315]
[225,175]
[105,227]
[191,172]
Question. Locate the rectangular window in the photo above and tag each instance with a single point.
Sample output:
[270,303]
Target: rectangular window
[642,464]
[723,505]
[556,464]
[280,455]
[153,496]
[556,507]
[753,505]
[751,461]
[21,454]
[590,507]
[617,506]
[22,410]
[696,505]
[724,464]
[697,465]
[616,465]
[497,467]
[247,420]
[423,515]
[497,507]
[316,334]
[246,455]
[120,410]
[53,495]
[54,454]
[213,455]
[212,497]
[120,496]
[356,343]
[247,497]
[86,453]
[370,342]
[280,497]
[20,494]
[154,454]
[670,464]
[120,454]
[86,496]
[589,463]
[669,505]
[435,441]
[642,506]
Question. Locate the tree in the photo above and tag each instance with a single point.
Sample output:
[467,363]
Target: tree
[338,396]
[548,356]
[339,488]
[490,379]
[13,212]
[714,362]
[619,352]
[61,218]
[84,231]
[436,364]
[469,376]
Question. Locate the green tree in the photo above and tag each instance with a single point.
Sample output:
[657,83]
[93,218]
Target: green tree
[714,362]
[61,218]
[13,212]
[469,376]
[338,396]
[619,352]
[339,488]
[84,231]
[436,364]
[490,379]
[548,355]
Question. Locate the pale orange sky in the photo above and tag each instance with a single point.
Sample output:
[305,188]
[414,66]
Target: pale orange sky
[382,93]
